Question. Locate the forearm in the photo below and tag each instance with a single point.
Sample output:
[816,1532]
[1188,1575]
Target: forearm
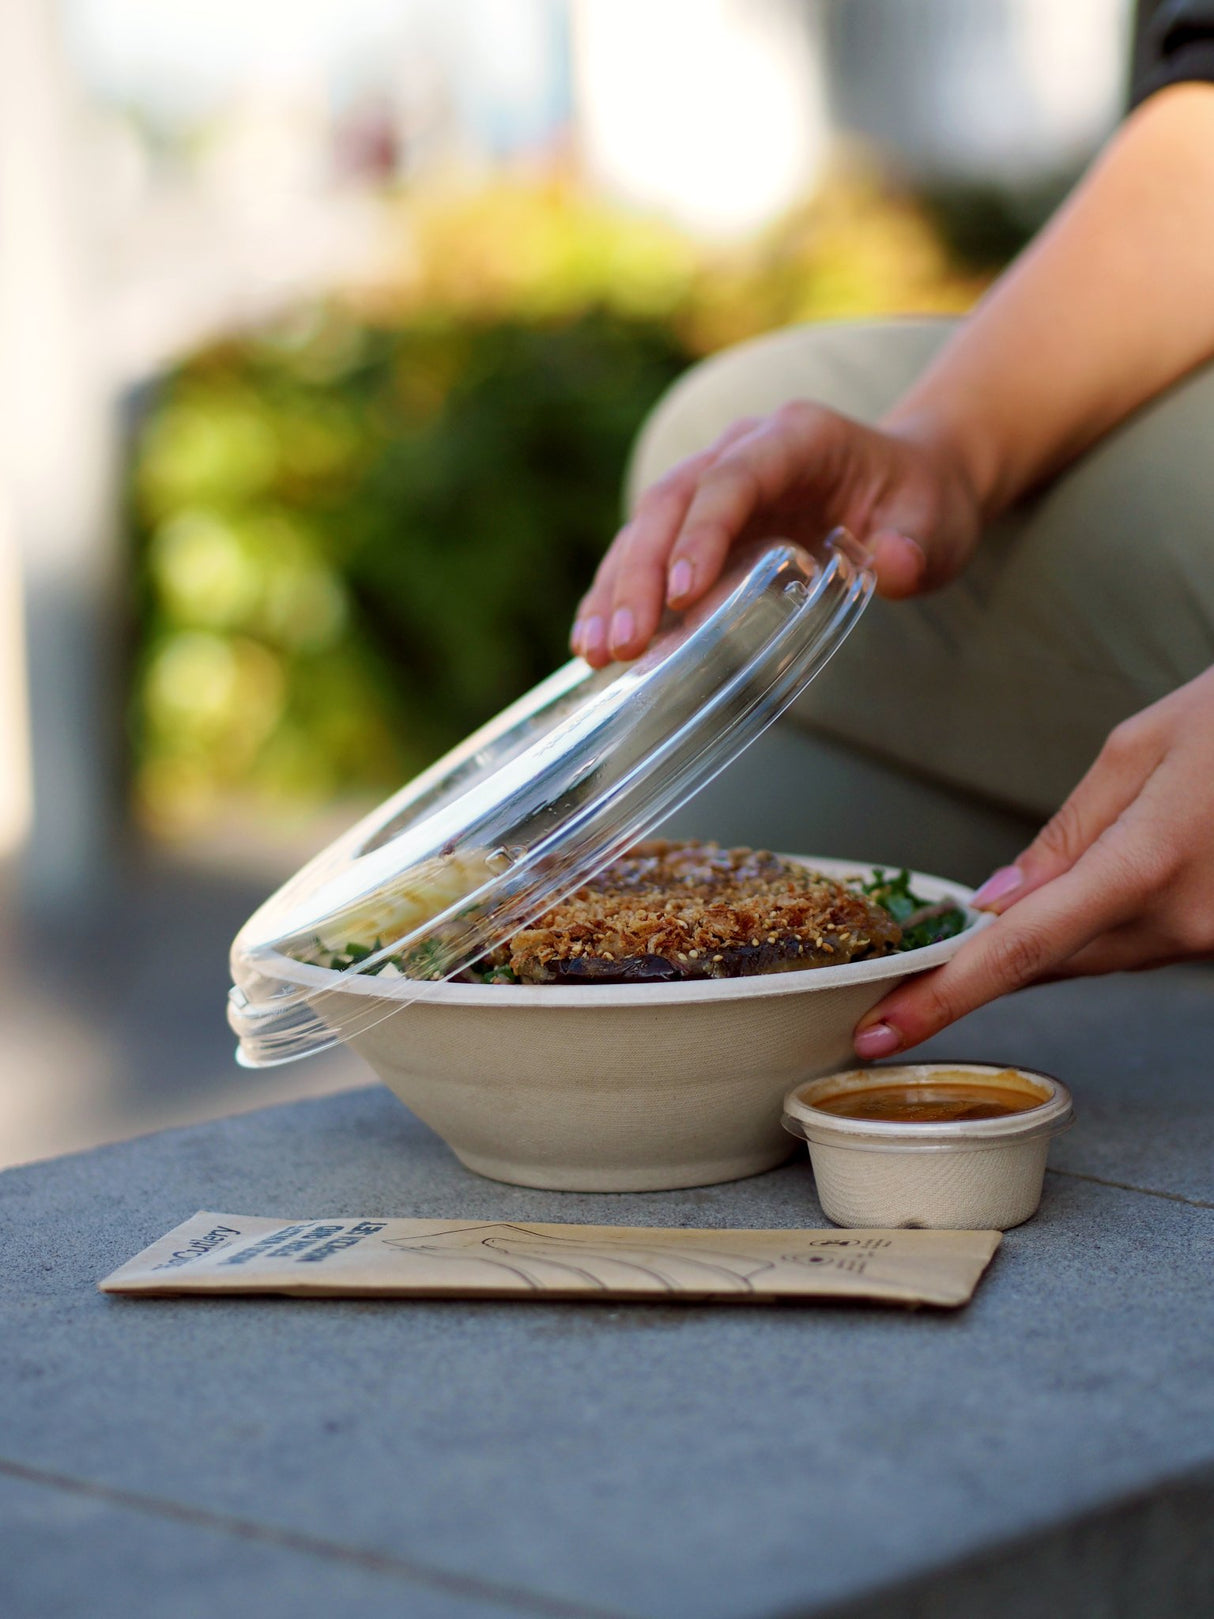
[1112,303]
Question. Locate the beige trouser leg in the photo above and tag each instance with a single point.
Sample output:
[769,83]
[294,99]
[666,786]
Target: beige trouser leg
[971,713]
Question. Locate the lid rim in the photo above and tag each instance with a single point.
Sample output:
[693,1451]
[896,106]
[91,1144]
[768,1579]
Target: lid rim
[556,787]
[660,998]
[905,1143]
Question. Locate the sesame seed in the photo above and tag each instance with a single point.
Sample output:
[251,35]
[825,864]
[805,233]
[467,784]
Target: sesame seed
[711,912]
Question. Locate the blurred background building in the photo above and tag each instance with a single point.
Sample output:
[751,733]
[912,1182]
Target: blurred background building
[325,326]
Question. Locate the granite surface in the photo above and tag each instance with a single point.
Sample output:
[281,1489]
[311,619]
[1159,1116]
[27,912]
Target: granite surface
[1048,1449]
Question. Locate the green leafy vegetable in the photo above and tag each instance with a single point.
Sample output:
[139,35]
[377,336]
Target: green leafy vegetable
[921,921]
[425,962]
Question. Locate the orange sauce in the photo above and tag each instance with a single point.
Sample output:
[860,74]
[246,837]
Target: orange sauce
[943,1099]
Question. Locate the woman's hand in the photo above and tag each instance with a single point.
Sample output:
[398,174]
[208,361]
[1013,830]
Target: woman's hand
[795,474]
[1122,878]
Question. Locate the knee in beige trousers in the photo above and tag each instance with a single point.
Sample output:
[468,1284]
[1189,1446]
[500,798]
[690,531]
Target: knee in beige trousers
[989,699]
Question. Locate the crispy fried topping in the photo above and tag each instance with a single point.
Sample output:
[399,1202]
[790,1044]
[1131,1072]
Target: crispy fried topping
[691,910]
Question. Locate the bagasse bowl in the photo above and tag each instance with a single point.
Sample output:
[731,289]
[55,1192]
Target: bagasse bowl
[621,1088]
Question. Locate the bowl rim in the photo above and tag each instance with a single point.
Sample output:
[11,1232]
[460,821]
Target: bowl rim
[761,986]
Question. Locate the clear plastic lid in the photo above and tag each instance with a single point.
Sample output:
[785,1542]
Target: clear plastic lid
[535,803]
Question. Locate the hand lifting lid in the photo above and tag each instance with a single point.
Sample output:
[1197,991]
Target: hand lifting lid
[536,802]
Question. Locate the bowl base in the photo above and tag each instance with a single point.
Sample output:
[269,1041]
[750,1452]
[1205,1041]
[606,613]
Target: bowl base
[848,1220]
[630,1177]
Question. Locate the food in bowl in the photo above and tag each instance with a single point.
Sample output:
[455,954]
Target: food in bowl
[355,936]
[669,912]
[627,1087]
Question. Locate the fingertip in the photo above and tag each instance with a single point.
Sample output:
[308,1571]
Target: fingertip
[622,632]
[680,583]
[906,1017]
[877,1040]
[899,563]
[697,559]
[999,889]
[594,641]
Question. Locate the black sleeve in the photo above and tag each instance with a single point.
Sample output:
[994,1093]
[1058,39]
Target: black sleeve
[1174,41]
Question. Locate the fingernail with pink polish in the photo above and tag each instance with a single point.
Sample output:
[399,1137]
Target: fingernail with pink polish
[999,886]
[919,553]
[878,1040]
[575,636]
[679,583]
[594,640]
[622,629]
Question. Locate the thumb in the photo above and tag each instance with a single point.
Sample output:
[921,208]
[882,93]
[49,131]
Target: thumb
[898,562]
[1108,789]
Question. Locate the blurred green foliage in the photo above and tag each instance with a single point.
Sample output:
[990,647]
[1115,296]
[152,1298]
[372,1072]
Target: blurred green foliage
[362,532]
[361,541]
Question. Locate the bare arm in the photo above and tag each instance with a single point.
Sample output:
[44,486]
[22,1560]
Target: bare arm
[1110,304]
[1113,302]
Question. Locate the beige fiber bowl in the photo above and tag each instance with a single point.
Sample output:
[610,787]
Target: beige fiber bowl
[620,1088]
[966,1175]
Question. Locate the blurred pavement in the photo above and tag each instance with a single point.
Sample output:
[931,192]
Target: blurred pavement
[112,1033]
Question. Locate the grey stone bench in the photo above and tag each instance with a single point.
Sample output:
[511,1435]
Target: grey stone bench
[1049,1450]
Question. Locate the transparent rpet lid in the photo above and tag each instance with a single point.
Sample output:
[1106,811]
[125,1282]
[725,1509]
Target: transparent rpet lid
[533,804]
